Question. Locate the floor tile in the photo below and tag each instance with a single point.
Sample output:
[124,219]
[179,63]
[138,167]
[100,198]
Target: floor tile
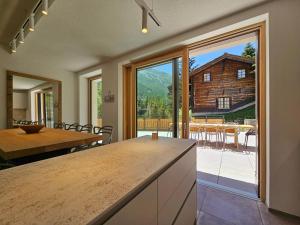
[207,219]
[207,177]
[236,184]
[275,218]
[231,208]
[201,195]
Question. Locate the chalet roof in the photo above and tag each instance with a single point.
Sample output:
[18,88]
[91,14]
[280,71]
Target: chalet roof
[221,58]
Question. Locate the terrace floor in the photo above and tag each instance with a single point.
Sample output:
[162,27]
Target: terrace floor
[230,168]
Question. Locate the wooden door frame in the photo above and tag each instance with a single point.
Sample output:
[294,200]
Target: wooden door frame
[260,28]
[129,88]
[129,101]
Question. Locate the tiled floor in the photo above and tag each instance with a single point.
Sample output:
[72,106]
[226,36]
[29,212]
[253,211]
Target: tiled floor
[234,169]
[217,207]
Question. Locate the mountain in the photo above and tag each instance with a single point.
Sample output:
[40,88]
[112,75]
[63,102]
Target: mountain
[153,83]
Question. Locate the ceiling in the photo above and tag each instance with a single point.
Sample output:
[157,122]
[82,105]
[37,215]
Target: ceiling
[78,34]
[23,83]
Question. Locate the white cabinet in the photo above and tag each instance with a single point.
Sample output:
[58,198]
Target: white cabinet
[141,210]
[170,199]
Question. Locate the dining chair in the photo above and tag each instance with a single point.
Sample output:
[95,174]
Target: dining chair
[212,131]
[106,133]
[88,128]
[59,125]
[248,133]
[72,126]
[230,132]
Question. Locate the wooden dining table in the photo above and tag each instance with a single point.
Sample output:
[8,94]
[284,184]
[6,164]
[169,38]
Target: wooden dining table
[15,143]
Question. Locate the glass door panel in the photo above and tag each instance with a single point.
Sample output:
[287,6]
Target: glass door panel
[158,101]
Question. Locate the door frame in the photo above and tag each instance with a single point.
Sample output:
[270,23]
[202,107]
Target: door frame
[260,28]
[129,90]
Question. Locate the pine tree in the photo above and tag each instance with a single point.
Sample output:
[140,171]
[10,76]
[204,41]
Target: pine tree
[249,51]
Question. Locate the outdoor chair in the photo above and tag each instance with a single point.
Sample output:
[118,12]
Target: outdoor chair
[212,131]
[230,132]
[248,133]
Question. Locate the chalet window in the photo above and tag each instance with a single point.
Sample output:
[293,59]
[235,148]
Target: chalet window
[241,73]
[223,103]
[206,77]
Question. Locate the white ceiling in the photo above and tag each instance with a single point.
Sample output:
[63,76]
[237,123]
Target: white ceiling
[78,34]
[23,83]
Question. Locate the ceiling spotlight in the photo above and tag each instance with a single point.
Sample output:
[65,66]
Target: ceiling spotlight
[14,46]
[45,7]
[144,21]
[21,36]
[31,22]
[147,11]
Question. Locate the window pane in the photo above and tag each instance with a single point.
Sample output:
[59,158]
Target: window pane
[96,102]
[155,100]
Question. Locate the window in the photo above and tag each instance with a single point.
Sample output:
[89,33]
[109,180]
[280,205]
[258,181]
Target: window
[95,101]
[223,103]
[206,77]
[241,73]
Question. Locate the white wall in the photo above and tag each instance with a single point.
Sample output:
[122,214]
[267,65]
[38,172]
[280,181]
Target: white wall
[20,100]
[283,142]
[46,69]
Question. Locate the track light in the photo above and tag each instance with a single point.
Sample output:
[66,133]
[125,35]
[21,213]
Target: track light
[14,46]
[21,36]
[45,7]
[31,22]
[144,21]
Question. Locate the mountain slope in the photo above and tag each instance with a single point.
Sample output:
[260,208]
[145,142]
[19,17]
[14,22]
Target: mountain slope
[153,83]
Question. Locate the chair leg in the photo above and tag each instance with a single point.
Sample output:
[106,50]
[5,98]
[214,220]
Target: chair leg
[246,141]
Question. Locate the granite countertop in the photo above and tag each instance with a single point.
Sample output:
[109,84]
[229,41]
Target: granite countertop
[84,187]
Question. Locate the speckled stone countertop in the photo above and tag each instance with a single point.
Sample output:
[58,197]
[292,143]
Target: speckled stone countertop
[84,187]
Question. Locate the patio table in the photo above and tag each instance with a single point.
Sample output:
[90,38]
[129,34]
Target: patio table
[222,126]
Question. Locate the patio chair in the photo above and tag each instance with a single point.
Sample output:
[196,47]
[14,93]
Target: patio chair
[196,131]
[212,131]
[230,132]
[248,133]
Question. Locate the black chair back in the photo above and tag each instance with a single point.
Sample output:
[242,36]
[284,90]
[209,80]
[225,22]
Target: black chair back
[85,128]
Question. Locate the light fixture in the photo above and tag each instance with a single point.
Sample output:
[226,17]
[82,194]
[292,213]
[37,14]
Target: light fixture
[14,46]
[45,7]
[21,36]
[145,21]
[147,11]
[31,22]
[41,7]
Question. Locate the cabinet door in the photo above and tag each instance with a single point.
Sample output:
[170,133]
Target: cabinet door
[188,213]
[141,210]
[171,179]
[167,214]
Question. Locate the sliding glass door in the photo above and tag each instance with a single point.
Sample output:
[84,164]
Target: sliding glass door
[158,98]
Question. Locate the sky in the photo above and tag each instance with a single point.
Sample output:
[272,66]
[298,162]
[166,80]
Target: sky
[205,58]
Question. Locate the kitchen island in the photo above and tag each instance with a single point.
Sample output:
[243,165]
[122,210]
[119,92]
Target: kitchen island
[138,181]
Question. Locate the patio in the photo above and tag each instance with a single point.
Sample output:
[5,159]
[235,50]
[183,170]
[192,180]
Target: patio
[227,168]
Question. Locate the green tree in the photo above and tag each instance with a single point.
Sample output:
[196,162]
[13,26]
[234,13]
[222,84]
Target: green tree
[99,99]
[249,51]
